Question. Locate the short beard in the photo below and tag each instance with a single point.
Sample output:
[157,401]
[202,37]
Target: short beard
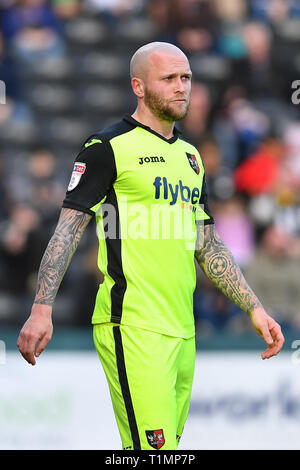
[161,109]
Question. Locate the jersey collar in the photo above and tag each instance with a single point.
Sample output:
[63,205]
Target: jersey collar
[134,122]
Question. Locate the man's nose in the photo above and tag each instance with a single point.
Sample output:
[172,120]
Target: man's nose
[179,87]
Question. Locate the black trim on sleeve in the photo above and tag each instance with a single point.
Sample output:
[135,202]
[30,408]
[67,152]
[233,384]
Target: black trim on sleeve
[77,207]
[125,388]
[96,180]
[204,201]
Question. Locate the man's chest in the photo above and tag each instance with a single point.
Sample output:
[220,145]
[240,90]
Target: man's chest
[157,172]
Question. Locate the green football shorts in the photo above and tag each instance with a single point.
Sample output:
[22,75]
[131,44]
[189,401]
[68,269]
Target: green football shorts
[150,378]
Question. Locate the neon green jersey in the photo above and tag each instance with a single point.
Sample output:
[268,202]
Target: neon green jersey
[146,193]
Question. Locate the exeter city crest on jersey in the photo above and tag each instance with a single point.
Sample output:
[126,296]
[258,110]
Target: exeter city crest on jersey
[156,438]
[193,162]
[78,170]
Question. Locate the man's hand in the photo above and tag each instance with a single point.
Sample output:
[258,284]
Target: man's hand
[36,333]
[269,330]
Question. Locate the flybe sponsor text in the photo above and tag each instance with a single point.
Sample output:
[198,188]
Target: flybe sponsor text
[170,191]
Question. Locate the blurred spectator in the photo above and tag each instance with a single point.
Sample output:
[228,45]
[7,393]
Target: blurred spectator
[8,73]
[17,123]
[267,172]
[47,188]
[291,142]
[274,11]
[250,125]
[158,13]
[22,243]
[274,275]
[38,182]
[218,176]
[259,79]
[213,311]
[260,173]
[236,229]
[196,122]
[192,23]
[231,44]
[65,9]
[28,14]
[223,127]
[231,12]
[258,40]
[32,30]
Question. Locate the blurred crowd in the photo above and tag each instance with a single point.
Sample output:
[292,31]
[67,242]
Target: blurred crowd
[65,68]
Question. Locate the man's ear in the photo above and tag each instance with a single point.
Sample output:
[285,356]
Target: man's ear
[137,87]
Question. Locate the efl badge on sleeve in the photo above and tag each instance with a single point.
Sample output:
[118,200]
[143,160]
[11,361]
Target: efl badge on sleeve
[156,438]
[78,170]
[193,162]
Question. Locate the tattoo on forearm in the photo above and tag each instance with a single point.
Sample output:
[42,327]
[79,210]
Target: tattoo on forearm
[220,267]
[58,254]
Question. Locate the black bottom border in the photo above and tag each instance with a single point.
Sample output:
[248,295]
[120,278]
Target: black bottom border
[138,459]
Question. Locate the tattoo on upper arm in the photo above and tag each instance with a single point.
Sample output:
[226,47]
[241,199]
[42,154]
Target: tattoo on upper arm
[58,254]
[220,267]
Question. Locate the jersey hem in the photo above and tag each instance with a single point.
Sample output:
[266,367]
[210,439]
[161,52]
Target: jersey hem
[77,207]
[209,221]
[142,327]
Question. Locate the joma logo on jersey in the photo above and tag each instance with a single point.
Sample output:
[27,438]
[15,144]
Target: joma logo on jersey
[150,160]
[168,190]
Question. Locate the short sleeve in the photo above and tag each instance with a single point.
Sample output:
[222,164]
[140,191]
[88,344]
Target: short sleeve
[205,212]
[93,174]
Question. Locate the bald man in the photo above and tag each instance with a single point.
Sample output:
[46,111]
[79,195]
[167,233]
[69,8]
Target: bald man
[145,186]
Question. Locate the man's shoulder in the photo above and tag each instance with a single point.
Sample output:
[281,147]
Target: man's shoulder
[111,131]
[188,144]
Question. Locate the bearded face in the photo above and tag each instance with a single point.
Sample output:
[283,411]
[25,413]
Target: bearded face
[166,109]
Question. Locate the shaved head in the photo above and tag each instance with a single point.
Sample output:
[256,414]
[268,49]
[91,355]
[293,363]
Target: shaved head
[141,60]
[161,79]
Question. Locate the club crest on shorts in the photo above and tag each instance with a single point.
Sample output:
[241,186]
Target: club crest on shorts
[193,162]
[78,170]
[156,438]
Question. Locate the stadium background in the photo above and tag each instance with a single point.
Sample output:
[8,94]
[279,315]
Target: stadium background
[65,68]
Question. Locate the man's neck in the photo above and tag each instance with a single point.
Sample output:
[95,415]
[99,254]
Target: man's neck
[164,128]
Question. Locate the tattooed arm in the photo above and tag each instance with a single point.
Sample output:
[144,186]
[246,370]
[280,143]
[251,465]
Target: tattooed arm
[220,267]
[54,264]
[58,254]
